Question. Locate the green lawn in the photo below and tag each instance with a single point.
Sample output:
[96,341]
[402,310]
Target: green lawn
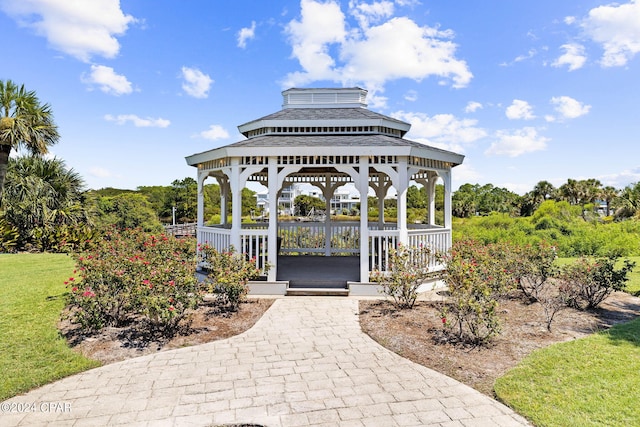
[587,382]
[32,353]
[633,285]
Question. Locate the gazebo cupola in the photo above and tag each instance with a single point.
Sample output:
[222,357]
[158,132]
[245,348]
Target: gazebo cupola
[326,137]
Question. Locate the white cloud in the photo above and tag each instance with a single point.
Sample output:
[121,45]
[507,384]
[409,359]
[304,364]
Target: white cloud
[411,96]
[214,133]
[246,34]
[78,28]
[108,80]
[138,121]
[442,130]
[616,27]
[573,56]
[569,108]
[622,179]
[519,109]
[367,13]
[465,173]
[321,25]
[100,172]
[196,83]
[569,20]
[472,107]
[369,55]
[516,143]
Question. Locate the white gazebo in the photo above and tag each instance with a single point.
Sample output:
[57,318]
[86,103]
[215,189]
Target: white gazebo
[326,138]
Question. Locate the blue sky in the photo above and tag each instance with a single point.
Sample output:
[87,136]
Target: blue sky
[525,90]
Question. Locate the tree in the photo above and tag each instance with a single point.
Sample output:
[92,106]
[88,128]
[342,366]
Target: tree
[608,194]
[542,191]
[24,123]
[183,196]
[128,211]
[304,204]
[628,202]
[42,198]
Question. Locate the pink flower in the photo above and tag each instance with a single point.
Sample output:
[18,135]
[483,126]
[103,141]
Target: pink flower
[88,294]
[74,289]
[172,283]
[171,308]
[444,320]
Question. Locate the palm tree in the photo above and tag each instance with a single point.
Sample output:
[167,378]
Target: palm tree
[42,196]
[24,123]
[608,194]
[543,190]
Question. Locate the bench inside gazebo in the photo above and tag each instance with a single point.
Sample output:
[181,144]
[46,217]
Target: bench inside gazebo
[326,138]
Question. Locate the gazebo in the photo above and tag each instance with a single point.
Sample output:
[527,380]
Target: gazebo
[325,137]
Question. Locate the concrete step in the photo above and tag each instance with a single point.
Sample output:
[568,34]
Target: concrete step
[337,292]
[318,283]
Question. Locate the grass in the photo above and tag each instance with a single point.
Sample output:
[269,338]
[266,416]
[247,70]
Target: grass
[32,352]
[633,285]
[586,382]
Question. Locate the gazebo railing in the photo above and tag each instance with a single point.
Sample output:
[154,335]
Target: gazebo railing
[310,238]
[381,242]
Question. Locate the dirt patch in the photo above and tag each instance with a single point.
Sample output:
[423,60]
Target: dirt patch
[416,334]
[207,323]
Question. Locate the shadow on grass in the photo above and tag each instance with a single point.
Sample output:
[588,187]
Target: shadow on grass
[625,333]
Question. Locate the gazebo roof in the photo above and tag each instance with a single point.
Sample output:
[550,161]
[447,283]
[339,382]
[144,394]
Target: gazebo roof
[325,122]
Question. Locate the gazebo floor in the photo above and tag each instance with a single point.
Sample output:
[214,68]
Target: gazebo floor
[318,271]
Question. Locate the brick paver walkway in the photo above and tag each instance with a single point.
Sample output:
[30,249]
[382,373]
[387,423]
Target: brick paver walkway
[305,363]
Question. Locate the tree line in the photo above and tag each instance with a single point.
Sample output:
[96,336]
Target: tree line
[589,194]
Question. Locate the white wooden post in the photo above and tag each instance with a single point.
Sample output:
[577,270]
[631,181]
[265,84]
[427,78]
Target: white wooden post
[403,184]
[201,178]
[272,237]
[363,187]
[236,204]
[446,177]
[431,194]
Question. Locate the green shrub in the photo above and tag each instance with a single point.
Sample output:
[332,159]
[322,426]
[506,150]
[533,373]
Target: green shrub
[9,236]
[408,269]
[134,276]
[227,274]
[589,281]
[476,277]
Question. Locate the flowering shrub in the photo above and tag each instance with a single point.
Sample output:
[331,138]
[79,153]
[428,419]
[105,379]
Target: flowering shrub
[134,276]
[227,274]
[476,276]
[589,281]
[408,269]
[532,267]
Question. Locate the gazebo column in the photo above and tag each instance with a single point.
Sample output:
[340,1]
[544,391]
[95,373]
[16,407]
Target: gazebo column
[430,185]
[381,192]
[327,192]
[236,204]
[200,218]
[225,190]
[402,185]
[446,177]
[363,187]
[431,197]
[272,233]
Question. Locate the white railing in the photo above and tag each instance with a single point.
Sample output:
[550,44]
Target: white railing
[310,238]
[254,245]
[216,237]
[380,244]
[253,242]
[437,239]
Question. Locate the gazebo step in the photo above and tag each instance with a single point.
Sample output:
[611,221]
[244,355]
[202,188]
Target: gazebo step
[340,292]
